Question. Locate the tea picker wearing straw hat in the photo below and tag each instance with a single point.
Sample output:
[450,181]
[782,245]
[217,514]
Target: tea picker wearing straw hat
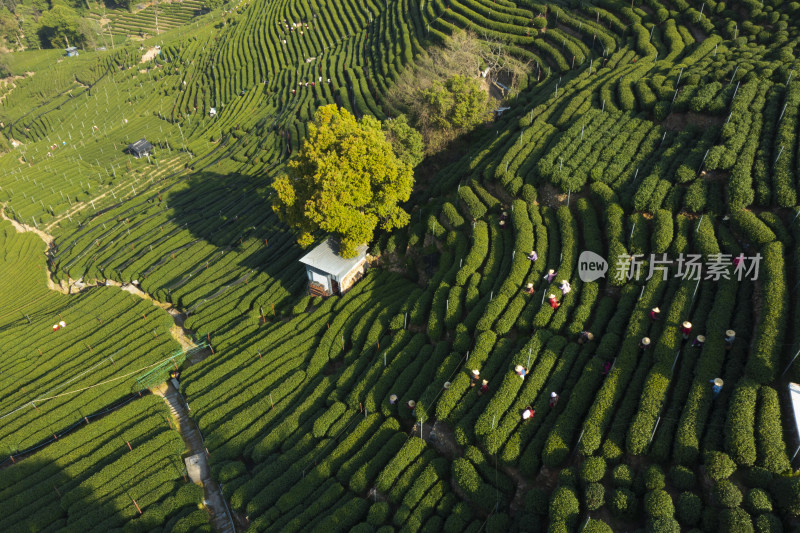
[553,399]
[529,289]
[730,336]
[698,341]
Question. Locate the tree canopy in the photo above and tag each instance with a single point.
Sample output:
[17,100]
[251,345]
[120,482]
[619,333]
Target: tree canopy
[406,141]
[457,104]
[60,26]
[345,180]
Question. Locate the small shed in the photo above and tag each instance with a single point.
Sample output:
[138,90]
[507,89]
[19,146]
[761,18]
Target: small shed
[140,148]
[71,51]
[329,273]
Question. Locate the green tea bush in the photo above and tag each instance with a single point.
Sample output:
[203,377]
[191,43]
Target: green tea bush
[681,477]
[623,504]
[735,520]
[622,476]
[594,496]
[564,506]
[654,478]
[768,523]
[726,494]
[537,501]
[719,465]
[592,470]
[658,504]
[688,509]
[757,501]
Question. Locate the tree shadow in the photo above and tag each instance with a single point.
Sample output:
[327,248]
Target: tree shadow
[37,494]
[233,213]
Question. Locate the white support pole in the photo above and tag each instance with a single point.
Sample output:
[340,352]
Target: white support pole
[654,429]
[790,363]
[675,362]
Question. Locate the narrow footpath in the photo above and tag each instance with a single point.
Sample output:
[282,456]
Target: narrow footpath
[215,503]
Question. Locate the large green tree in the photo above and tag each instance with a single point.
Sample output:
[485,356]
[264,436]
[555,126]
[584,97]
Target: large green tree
[345,180]
[457,104]
[60,26]
[406,141]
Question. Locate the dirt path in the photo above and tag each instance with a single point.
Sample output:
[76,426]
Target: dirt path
[10,82]
[518,502]
[22,228]
[178,332]
[215,503]
[150,54]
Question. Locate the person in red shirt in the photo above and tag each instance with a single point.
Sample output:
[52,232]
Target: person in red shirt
[484,388]
[655,313]
[553,302]
[686,329]
[529,289]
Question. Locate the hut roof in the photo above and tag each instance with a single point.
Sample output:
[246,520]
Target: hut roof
[325,257]
[140,147]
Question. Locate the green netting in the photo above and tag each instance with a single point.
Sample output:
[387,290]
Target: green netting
[160,373]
